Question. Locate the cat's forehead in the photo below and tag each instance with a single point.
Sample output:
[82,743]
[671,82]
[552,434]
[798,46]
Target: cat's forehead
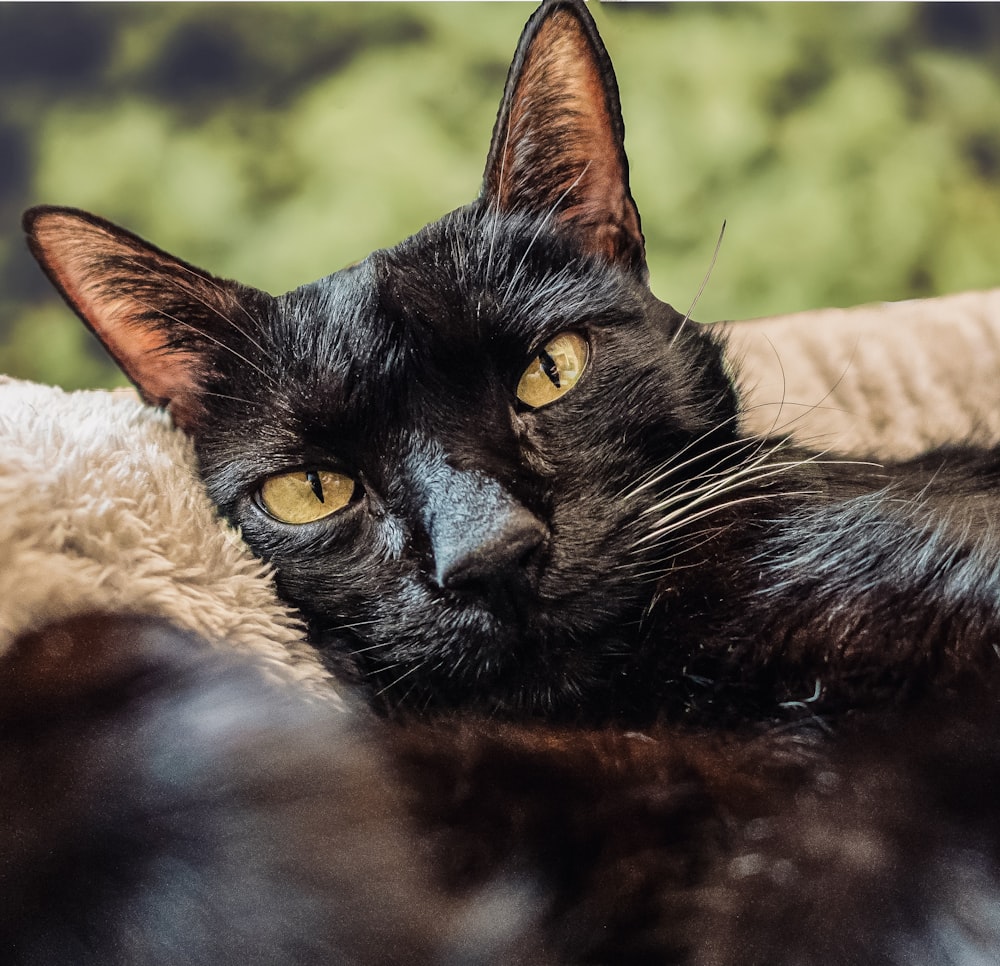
[471,283]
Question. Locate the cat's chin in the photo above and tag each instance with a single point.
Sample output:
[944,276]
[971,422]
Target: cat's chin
[512,663]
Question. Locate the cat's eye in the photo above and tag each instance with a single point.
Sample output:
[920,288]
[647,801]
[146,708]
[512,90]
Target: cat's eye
[306,496]
[554,371]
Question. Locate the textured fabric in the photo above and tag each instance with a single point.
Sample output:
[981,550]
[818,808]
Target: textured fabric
[891,379]
[100,510]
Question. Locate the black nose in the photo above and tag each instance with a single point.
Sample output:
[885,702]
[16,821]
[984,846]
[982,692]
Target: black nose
[483,540]
[497,550]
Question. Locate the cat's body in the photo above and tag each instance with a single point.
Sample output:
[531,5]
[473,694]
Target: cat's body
[503,481]
[165,803]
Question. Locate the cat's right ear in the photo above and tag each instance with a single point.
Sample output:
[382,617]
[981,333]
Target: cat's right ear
[164,321]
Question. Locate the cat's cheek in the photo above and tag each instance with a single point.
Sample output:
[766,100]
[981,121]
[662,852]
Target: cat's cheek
[534,453]
[336,569]
[288,544]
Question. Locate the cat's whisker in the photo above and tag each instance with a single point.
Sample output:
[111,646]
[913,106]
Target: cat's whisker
[406,696]
[499,194]
[694,495]
[716,483]
[353,626]
[672,466]
[691,501]
[221,395]
[191,293]
[222,345]
[381,646]
[704,282]
[785,429]
[686,543]
[541,227]
[258,324]
[457,663]
[758,440]
[807,408]
[392,684]
[675,525]
[755,442]
[784,386]
[681,515]
[354,623]
[204,279]
[373,674]
[701,482]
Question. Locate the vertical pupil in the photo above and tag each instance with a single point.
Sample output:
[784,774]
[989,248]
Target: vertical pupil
[550,368]
[312,478]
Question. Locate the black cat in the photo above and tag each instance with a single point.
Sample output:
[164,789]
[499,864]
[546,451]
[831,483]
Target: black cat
[497,475]
[495,472]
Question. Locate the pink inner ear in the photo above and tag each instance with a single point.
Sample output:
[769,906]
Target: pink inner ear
[560,97]
[85,260]
[560,64]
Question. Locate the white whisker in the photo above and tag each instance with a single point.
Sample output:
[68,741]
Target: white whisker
[416,667]
[218,288]
[555,207]
[171,281]
[496,214]
[205,335]
[704,282]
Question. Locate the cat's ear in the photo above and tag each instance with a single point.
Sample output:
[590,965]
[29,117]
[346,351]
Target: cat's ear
[165,322]
[558,144]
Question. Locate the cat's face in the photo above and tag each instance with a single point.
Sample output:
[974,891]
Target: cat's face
[455,451]
[468,542]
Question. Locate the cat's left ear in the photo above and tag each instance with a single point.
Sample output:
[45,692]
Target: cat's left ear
[558,146]
[166,323]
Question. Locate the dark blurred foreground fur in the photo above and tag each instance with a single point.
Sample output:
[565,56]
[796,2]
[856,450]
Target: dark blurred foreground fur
[166,803]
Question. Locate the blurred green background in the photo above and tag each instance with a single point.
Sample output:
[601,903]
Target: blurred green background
[853,149]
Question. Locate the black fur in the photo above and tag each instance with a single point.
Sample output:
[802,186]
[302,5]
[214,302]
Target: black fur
[627,552]
[165,802]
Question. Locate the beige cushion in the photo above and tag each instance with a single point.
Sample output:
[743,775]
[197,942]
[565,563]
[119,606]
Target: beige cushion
[101,510]
[891,379]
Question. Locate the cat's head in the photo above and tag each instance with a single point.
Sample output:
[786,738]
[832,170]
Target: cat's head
[458,453]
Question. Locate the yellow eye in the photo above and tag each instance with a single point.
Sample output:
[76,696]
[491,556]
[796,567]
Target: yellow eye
[554,371]
[305,497]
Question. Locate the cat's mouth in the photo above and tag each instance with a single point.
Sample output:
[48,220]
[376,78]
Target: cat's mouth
[547,628]
[507,651]
[511,606]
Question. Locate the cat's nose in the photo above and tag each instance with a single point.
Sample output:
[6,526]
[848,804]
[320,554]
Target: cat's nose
[483,540]
[477,558]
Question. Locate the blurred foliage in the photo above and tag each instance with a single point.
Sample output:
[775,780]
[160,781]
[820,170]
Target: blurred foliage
[853,150]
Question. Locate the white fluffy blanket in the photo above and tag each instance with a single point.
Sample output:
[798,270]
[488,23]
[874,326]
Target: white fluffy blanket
[100,510]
